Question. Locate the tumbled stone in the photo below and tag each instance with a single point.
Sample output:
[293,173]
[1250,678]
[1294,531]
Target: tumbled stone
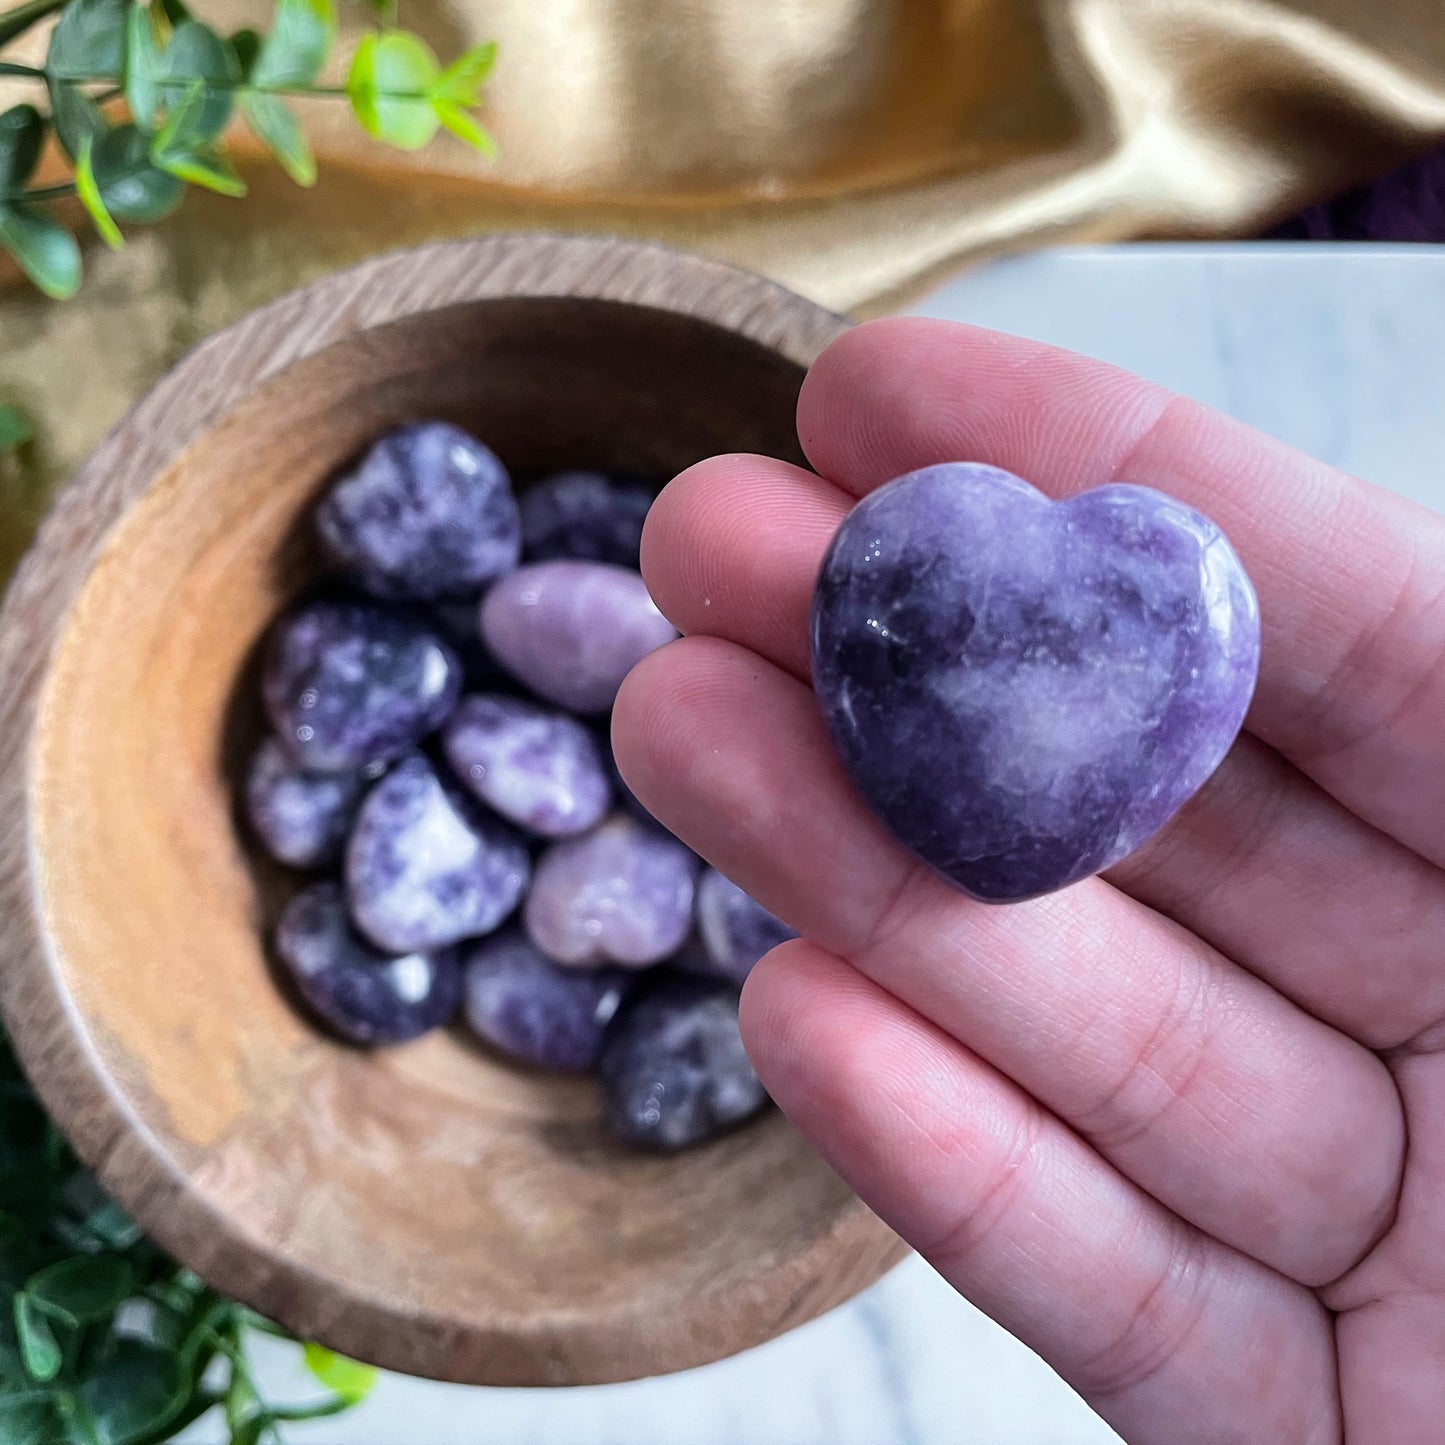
[522,1003]
[426,866]
[571,631]
[540,769]
[350,683]
[736,930]
[673,1068]
[428,512]
[1024,690]
[585,517]
[300,818]
[365,996]
[622,893]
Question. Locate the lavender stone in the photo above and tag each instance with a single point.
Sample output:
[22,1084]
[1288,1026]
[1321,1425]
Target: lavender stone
[348,684]
[1025,690]
[622,893]
[673,1068]
[571,631]
[300,818]
[736,930]
[426,866]
[365,996]
[584,516]
[522,1003]
[428,512]
[536,767]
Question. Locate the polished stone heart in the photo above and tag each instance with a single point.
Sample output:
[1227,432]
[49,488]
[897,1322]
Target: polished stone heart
[1025,690]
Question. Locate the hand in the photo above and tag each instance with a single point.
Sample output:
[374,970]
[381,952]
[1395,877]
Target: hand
[1156,1124]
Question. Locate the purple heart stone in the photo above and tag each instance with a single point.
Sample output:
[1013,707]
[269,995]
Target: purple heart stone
[520,1002]
[736,929]
[363,995]
[622,893]
[301,818]
[1025,690]
[426,866]
[349,683]
[571,631]
[428,512]
[673,1068]
[538,768]
[584,516]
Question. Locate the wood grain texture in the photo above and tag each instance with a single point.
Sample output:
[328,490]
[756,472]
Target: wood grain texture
[428,1208]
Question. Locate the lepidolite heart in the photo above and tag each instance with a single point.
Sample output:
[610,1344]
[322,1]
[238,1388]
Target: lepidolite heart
[1025,690]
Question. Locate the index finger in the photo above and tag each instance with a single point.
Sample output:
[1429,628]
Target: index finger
[1351,579]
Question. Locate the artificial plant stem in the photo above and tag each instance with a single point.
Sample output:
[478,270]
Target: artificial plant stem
[42,193]
[209,86]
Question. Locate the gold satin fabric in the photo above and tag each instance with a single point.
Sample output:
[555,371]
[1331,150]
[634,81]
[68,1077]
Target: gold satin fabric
[853,149]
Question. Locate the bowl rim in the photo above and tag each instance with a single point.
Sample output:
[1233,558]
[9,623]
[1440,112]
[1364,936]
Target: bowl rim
[43,1021]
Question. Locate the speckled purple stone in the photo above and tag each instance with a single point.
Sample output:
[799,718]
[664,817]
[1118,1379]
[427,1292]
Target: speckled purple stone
[540,769]
[522,1003]
[736,930]
[622,894]
[1025,690]
[300,818]
[571,631]
[426,866]
[428,512]
[673,1068]
[364,996]
[349,683]
[585,517]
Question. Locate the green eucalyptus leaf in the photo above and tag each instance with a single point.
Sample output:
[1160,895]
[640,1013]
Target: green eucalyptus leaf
[461,82]
[133,189]
[202,168]
[247,45]
[35,1334]
[74,115]
[19,20]
[44,250]
[16,428]
[22,132]
[89,194]
[197,54]
[85,1288]
[277,129]
[175,11]
[349,1379]
[29,1417]
[465,127]
[89,40]
[301,37]
[142,66]
[132,1390]
[391,76]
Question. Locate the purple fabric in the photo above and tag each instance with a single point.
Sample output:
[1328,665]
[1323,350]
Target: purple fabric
[1406,205]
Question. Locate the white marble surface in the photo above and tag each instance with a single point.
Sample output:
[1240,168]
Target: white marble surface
[1339,351]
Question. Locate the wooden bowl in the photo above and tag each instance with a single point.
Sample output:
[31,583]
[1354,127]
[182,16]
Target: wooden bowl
[425,1208]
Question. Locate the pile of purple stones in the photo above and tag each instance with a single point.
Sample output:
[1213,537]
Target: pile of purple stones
[440,756]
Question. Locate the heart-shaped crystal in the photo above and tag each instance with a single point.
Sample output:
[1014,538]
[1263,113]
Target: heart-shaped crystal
[1025,690]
